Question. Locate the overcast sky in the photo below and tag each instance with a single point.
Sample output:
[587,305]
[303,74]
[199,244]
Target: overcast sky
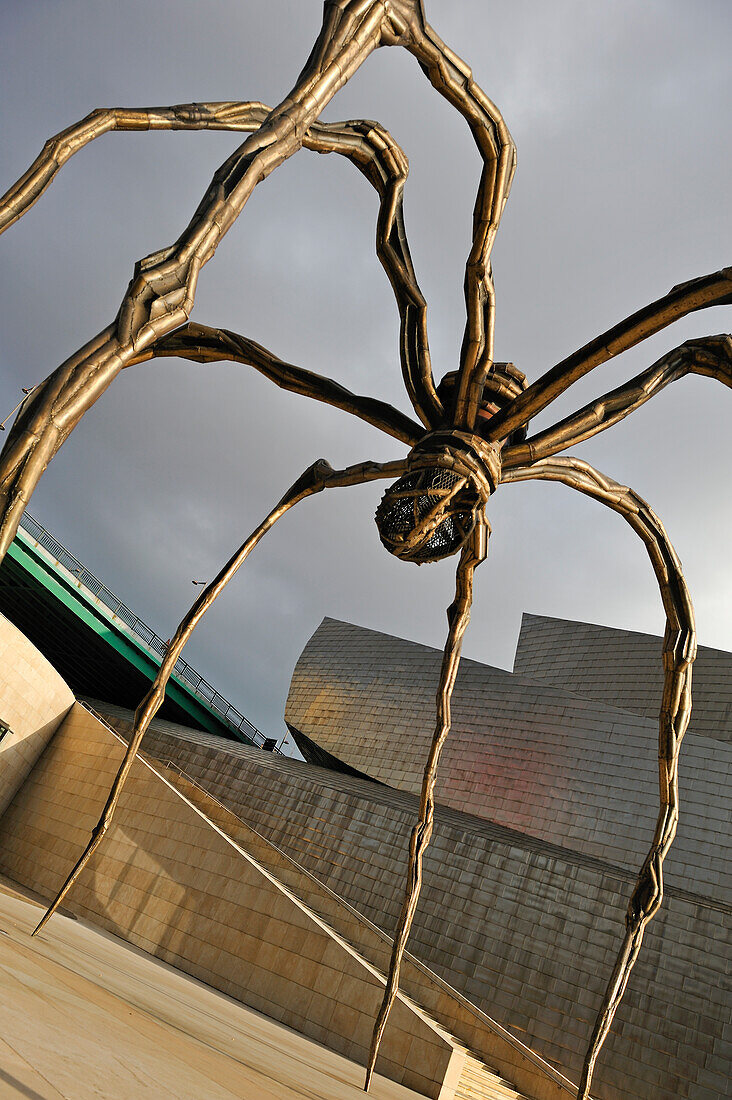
[621,115]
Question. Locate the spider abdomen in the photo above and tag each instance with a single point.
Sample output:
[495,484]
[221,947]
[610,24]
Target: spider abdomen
[430,512]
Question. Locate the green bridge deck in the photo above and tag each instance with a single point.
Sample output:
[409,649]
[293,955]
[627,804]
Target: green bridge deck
[100,647]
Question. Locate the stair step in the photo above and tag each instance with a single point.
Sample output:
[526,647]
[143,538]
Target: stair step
[479,1082]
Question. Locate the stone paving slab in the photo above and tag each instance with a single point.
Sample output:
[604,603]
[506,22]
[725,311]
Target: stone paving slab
[85,1016]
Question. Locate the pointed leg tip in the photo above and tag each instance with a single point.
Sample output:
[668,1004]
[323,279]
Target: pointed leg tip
[42,922]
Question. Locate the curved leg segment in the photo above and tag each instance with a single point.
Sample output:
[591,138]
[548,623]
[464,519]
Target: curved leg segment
[317,477]
[233,116]
[709,290]
[710,356]
[377,155]
[369,146]
[679,651]
[458,617]
[211,345]
[453,79]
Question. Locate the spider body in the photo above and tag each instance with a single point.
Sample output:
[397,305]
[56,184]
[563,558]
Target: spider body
[470,432]
[432,511]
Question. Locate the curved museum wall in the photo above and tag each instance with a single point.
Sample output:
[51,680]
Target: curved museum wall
[523,753]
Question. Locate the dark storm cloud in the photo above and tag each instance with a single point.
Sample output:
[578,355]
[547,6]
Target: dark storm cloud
[621,116]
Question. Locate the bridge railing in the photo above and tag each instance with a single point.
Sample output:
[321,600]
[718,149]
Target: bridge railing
[192,679]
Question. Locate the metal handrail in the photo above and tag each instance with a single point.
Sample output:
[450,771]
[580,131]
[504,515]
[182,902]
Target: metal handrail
[192,679]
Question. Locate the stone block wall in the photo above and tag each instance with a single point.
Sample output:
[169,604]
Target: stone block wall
[526,930]
[33,702]
[167,881]
[497,1056]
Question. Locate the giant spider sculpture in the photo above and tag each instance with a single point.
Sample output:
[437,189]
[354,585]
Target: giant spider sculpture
[471,433]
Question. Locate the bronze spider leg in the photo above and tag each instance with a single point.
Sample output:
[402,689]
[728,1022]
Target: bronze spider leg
[708,290]
[378,156]
[59,149]
[369,146]
[208,345]
[679,650]
[317,477]
[405,25]
[453,79]
[160,296]
[380,159]
[373,150]
[458,617]
[710,356]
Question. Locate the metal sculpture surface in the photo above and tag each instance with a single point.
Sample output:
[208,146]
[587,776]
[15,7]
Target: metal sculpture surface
[472,431]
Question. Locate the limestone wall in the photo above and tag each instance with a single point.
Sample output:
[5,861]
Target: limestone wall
[495,1053]
[33,702]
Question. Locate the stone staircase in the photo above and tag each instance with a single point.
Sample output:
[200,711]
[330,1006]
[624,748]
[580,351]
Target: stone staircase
[479,1082]
[473,1035]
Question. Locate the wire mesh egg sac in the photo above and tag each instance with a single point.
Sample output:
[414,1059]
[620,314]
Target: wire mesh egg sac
[411,503]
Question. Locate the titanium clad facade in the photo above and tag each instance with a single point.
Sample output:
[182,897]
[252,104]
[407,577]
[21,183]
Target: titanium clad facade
[522,753]
[622,668]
